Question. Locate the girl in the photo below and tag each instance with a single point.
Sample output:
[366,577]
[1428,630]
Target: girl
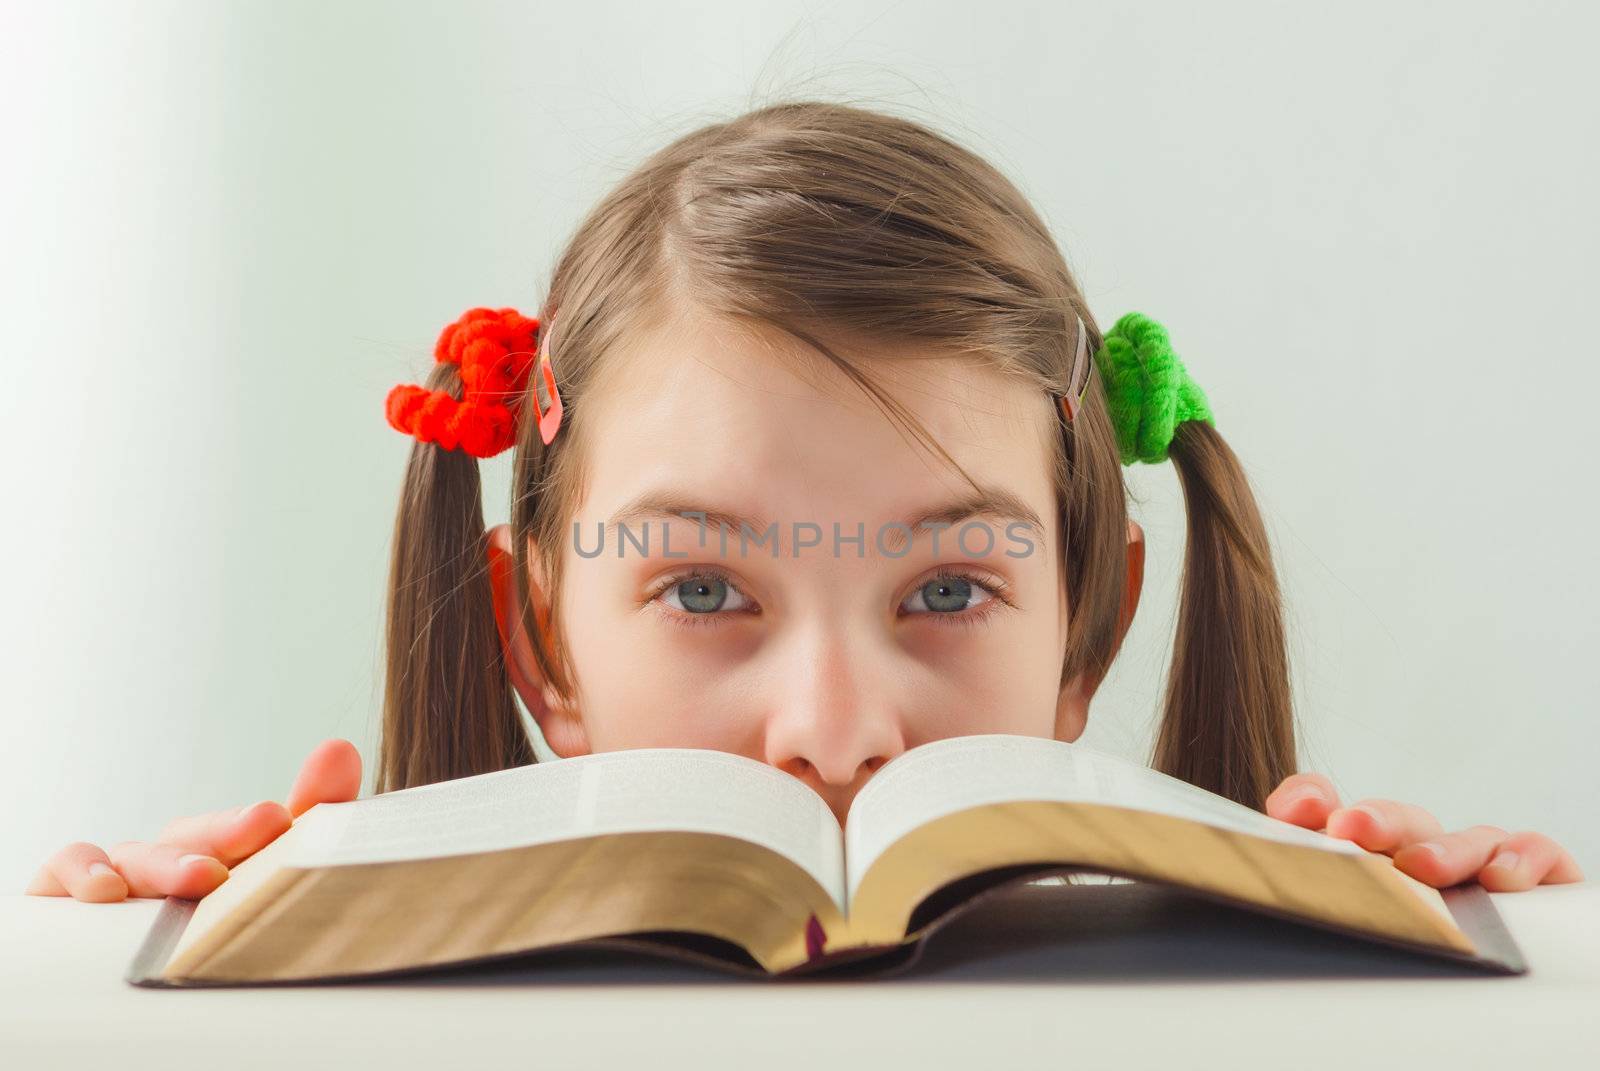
[722,537]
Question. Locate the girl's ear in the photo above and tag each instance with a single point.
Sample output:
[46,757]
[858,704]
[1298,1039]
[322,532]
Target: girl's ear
[1135,582]
[562,727]
[1072,705]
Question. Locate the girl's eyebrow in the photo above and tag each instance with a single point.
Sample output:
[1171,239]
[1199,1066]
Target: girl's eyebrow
[669,504]
[986,501]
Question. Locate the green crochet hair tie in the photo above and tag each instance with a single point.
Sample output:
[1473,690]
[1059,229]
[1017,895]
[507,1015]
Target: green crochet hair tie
[1148,391]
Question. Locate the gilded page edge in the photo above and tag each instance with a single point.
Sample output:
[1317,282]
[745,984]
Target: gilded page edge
[954,846]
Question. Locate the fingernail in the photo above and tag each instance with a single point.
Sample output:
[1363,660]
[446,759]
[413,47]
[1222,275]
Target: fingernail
[184,859]
[1506,860]
[1378,820]
[1307,792]
[246,809]
[1433,848]
[97,870]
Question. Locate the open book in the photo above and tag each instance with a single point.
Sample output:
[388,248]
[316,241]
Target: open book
[728,861]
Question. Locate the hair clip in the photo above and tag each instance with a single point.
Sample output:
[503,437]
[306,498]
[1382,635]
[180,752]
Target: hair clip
[1078,381]
[550,415]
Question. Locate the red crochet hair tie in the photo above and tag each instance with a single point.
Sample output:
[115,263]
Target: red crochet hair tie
[495,349]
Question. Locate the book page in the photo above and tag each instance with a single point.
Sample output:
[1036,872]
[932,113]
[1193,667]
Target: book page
[641,789]
[951,775]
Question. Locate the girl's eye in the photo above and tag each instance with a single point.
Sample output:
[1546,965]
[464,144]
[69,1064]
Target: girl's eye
[701,597]
[949,594]
[702,593]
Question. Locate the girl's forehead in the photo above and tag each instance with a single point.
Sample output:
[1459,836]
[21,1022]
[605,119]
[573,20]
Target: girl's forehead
[786,430]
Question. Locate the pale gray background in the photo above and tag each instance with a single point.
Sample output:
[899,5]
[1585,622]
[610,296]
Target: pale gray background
[229,229]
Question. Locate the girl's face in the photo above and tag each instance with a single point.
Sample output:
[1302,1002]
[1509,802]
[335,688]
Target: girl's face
[823,656]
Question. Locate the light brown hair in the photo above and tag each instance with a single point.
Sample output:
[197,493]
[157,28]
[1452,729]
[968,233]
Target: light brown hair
[829,221]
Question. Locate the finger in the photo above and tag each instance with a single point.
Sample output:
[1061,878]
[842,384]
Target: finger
[330,774]
[155,869]
[1304,799]
[1383,825]
[229,836]
[1450,857]
[1526,859]
[81,871]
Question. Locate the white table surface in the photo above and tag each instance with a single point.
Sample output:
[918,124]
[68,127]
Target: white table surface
[1206,985]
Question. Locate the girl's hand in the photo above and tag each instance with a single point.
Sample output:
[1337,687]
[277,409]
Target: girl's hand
[192,855]
[1501,861]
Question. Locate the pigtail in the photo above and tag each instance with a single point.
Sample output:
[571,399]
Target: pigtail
[449,709]
[1229,724]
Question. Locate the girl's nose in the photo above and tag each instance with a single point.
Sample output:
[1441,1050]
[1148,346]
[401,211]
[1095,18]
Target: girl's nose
[834,720]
